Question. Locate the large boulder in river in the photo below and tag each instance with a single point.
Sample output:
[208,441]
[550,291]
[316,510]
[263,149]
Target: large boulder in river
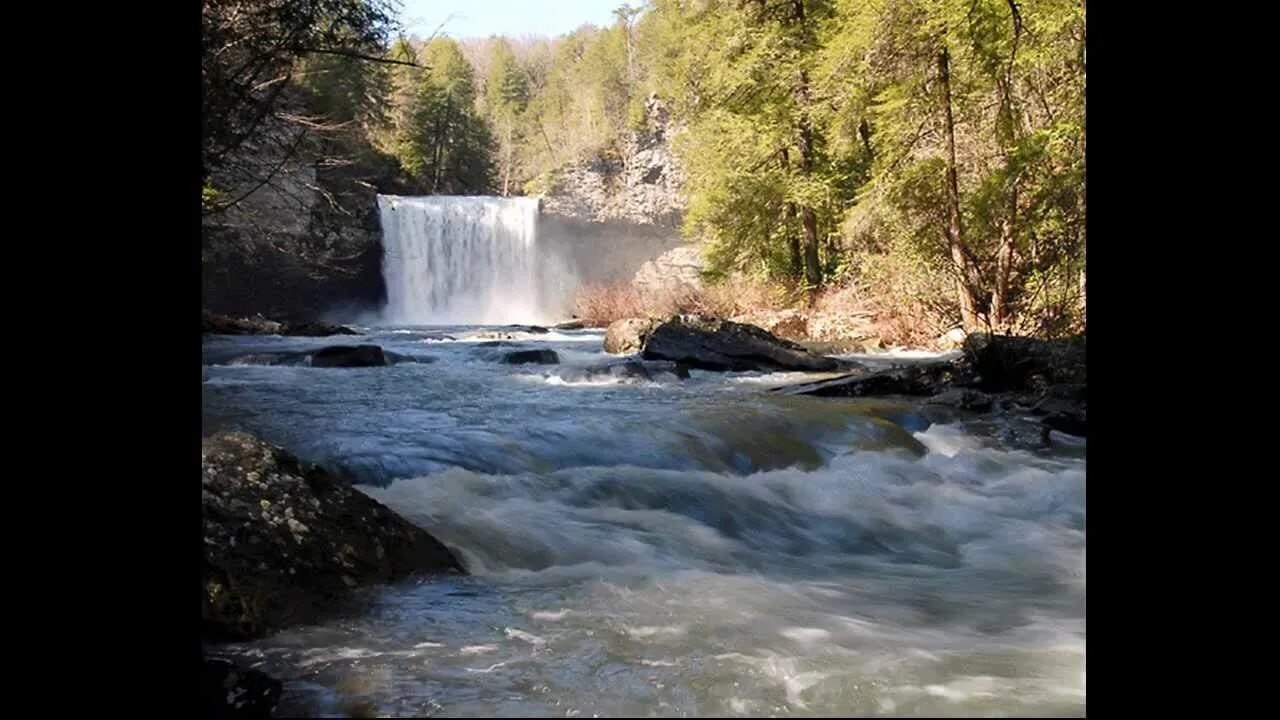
[524,357]
[350,356]
[628,335]
[715,344]
[285,542]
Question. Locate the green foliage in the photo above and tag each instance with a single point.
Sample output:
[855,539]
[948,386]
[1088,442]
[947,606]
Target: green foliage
[439,138]
[249,51]
[832,110]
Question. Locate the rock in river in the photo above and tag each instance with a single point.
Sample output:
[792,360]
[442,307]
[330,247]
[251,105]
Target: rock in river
[285,541]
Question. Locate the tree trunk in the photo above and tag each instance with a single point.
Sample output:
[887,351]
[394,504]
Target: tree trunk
[965,285]
[437,156]
[789,224]
[1001,300]
[793,241]
[1000,310]
[809,220]
[812,269]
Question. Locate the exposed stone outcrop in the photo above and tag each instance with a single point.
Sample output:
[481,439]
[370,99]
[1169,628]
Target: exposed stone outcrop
[791,323]
[628,335]
[642,183]
[669,276]
[305,242]
[285,542]
[714,344]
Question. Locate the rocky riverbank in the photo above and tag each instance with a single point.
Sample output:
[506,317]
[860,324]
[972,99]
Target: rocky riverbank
[1043,378]
[288,543]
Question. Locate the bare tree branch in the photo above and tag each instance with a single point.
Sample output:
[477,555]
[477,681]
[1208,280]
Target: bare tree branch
[360,56]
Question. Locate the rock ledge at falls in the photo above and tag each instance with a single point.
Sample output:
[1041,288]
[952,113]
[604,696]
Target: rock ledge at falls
[285,542]
[712,344]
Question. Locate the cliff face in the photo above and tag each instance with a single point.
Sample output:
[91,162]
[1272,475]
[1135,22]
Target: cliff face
[643,186]
[307,244]
[304,245]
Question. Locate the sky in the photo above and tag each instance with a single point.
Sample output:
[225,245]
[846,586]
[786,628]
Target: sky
[514,18]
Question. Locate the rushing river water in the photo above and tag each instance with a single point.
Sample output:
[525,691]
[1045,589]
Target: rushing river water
[669,547]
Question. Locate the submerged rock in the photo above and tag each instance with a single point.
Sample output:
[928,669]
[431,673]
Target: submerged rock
[629,335]
[285,541]
[714,344]
[233,692]
[522,357]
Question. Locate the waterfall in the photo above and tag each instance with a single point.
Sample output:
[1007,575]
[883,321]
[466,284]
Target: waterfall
[466,260]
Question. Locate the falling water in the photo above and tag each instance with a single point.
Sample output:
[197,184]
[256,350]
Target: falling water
[450,259]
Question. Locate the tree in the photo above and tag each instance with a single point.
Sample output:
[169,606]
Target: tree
[250,56]
[506,97]
[440,140]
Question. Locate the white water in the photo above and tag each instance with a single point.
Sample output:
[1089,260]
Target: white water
[672,548]
[451,259]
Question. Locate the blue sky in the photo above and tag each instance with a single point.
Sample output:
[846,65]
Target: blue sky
[515,18]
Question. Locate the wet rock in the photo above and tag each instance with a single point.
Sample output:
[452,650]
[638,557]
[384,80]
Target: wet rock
[569,325]
[628,335]
[278,358]
[285,542]
[336,356]
[924,380]
[258,325]
[715,344]
[397,358]
[1022,364]
[523,357]
[233,692]
[643,369]
[316,329]
[349,356]
[964,399]
[1071,421]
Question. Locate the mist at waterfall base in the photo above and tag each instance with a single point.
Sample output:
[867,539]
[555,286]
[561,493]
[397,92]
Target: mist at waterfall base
[478,260]
[669,547]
